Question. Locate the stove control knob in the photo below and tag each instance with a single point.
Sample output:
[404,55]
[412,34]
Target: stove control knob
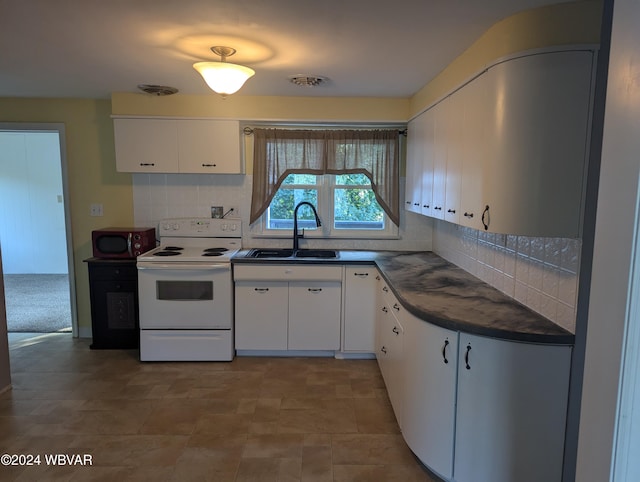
[175,226]
[233,227]
[166,227]
[224,227]
[137,245]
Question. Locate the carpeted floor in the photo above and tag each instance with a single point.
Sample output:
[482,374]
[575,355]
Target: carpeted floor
[37,303]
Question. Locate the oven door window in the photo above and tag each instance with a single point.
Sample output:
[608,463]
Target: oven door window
[184,290]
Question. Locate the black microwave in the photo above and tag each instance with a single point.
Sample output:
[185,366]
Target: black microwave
[122,243]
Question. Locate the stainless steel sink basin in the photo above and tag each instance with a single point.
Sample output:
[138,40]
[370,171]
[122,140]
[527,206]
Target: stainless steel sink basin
[290,253]
[270,253]
[316,253]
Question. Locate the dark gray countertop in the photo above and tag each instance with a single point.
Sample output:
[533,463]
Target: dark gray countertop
[444,294]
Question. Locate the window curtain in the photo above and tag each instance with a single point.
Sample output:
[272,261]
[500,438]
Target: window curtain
[280,152]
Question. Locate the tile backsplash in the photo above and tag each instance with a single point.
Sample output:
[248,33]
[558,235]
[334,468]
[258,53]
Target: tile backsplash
[541,273]
[160,196]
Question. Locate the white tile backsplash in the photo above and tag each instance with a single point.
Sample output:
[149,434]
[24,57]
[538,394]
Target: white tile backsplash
[160,196]
[541,273]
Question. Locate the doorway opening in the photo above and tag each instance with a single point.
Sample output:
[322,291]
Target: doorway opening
[35,230]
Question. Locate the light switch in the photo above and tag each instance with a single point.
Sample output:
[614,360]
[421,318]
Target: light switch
[96,210]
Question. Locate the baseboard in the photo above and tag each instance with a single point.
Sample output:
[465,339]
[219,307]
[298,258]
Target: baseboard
[85,332]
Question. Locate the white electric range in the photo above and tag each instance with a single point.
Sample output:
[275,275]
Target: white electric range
[185,291]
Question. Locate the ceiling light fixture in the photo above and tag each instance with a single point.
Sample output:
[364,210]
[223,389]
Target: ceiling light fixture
[223,77]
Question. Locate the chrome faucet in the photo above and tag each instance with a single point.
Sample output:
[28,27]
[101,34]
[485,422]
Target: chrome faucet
[297,236]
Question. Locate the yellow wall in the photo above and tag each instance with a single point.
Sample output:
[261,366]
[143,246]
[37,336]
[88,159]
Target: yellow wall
[91,173]
[563,24]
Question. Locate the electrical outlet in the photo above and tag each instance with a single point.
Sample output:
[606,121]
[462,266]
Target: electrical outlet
[95,210]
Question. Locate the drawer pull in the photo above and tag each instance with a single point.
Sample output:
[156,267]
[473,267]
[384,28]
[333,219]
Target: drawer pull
[261,290]
[385,289]
[147,164]
[395,330]
[314,290]
[208,165]
[361,275]
[466,358]
[384,308]
[396,307]
[468,215]
[444,351]
[383,349]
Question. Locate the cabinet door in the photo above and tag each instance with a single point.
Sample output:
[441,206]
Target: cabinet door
[427,163]
[146,145]
[430,393]
[441,132]
[511,411]
[314,315]
[454,118]
[261,311]
[415,149]
[474,148]
[538,131]
[211,146]
[359,309]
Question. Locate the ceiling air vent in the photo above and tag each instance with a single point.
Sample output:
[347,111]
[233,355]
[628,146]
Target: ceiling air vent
[307,80]
[157,89]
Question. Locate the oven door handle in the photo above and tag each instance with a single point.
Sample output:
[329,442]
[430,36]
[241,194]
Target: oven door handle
[194,266]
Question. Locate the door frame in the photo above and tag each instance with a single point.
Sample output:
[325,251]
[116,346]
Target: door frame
[59,128]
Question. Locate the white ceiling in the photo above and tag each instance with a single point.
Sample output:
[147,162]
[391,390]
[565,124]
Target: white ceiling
[90,48]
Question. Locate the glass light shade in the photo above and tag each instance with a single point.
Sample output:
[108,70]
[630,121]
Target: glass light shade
[223,77]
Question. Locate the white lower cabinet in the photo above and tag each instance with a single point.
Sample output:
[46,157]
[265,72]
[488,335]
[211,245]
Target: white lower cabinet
[389,347]
[479,409]
[511,410]
[287,307]
[262,313]
[314,315]
[359,302]
[429,408]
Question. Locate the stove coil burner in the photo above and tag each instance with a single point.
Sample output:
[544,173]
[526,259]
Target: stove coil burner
[168,253]
[173,248]
[214,251]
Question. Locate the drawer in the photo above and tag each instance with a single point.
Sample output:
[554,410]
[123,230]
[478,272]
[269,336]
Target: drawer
[113,272]
[288,272]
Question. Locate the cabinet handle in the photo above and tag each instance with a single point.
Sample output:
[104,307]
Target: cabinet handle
[437,208]
[416,204]
[396,307]
[408,202]
[261,290]
[395,330]
[147,164]
[383,349]
[485,213]
[452,211]
[444,351]
[314,290]
[425,206]
[385,289]
[208,165]
[466,358]
[468,215]
[361,275]
[378,277]
[384,308]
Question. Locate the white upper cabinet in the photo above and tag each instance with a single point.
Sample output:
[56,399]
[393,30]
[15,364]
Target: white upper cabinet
[474,152]
[537,131]
[507,152]
[146,145]
[441,131]
[178,146]
[211,146]
[428,153]
[415,153]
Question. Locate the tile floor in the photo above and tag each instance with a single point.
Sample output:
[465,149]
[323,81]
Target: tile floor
[253,419]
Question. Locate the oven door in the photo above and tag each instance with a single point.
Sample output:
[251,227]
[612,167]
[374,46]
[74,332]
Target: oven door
[182,296]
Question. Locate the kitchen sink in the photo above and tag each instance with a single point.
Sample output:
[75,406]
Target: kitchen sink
[270,253]
[316,253]
[290,253]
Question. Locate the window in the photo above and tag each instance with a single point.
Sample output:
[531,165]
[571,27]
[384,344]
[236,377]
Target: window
[346,205]
[351,176]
